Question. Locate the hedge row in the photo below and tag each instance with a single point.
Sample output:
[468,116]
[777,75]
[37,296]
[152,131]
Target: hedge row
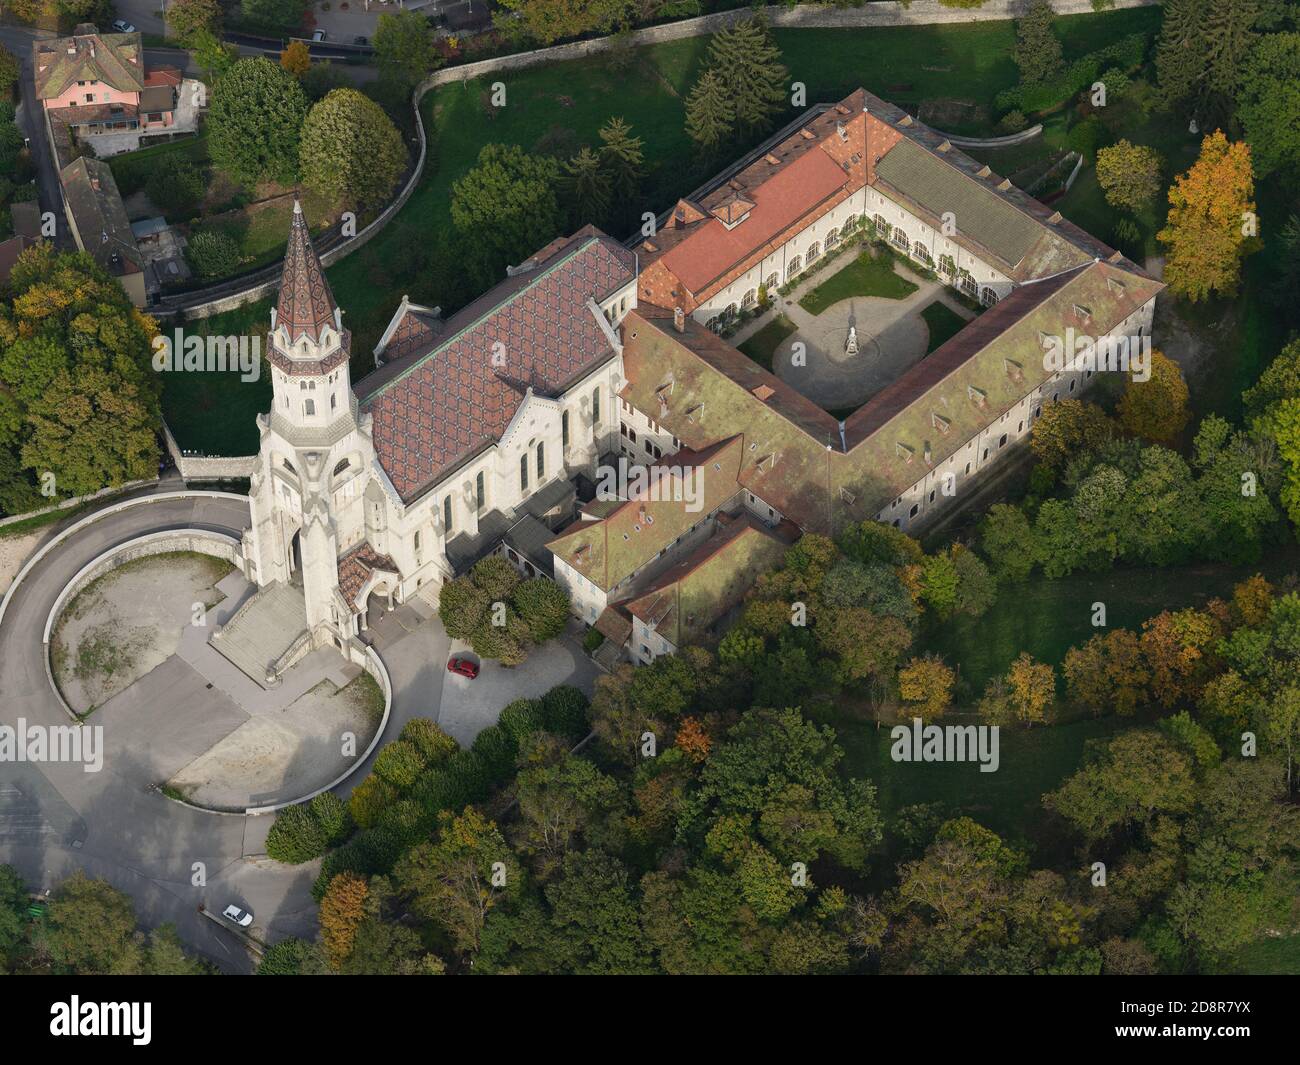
[1127,53]
[394,816]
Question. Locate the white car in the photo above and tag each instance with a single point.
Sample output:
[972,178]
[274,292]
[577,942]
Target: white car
[122,26]
[317,36]
[241,917]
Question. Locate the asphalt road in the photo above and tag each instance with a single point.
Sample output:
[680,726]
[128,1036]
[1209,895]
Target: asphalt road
[49,192]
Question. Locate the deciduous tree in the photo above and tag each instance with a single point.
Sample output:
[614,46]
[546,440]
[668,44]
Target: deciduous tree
[1209,229]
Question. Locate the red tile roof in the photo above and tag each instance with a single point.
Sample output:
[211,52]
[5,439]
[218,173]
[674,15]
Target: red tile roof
[439,405]
[779,202]
[356,567]
[306,304]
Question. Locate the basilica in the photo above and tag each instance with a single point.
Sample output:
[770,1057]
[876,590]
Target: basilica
[493,430]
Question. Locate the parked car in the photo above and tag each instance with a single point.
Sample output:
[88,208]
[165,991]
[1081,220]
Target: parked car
[122,26]
[362,41]
[464,667]
[317,36]
[241,917]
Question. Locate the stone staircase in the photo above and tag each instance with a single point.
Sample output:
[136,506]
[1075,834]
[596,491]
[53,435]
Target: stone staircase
[263,629]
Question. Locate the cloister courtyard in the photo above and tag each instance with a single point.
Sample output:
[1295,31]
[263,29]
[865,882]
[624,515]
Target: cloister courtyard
[845,332]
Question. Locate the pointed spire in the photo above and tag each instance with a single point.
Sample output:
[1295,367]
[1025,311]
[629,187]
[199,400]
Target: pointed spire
[306,304]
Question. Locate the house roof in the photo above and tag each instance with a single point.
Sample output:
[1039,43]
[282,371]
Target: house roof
[935,184]
[456,392]
[116,59]
[158,98]
[9,252]
[778,203]
[609,550]
[686,600]
[96,206]
[355,568]
[26,218]
[305,305]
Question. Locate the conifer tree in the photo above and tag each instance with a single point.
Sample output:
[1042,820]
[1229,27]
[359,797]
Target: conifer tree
[586,187]
[710,115]
[748,62]
[1038,52]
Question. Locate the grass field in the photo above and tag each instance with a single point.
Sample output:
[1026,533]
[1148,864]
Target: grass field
[1046,617]
[216,413]
[763,344]
[943,322]
[864,276]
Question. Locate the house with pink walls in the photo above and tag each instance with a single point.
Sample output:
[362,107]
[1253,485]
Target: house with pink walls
[96,82]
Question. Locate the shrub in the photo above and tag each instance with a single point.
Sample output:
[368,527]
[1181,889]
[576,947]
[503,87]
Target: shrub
[369,798]
[592,640]
[296,836]
[496,750]
[175,185]
[1125,54]
[1013,122]
[332,815]
[438,790]
[1086,136]
[544,607]
[285,958]
[399,763]
[563,710]
[521,718]
[212,255]
[434,744]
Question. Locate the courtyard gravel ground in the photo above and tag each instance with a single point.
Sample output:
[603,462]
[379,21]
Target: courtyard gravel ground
[128,622]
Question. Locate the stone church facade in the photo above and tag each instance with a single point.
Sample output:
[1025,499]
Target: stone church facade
[487,432]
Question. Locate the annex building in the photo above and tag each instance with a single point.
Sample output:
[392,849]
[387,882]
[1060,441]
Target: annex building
[585,419]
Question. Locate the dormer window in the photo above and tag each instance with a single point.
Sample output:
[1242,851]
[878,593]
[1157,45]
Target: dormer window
[977,395]
[904,452]
[940,422]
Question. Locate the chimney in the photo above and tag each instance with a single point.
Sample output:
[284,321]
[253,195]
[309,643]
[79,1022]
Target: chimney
[679,320]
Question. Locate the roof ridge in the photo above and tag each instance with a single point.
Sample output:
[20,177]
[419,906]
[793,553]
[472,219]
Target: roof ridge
[545,271]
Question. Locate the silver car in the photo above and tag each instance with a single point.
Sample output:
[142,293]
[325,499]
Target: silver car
[241,917]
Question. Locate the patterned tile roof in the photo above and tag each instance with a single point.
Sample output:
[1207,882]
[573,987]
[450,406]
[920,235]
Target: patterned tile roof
[444,401]
[306,303]
[116,59]
[355,569]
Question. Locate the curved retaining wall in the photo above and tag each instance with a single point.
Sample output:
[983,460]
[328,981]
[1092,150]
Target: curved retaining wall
[218,545]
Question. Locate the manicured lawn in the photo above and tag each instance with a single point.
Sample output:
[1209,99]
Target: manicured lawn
[763,344]
[1046,617]
[943,322]
[1268,957]
[1032,762]
[216,413]
[864,276]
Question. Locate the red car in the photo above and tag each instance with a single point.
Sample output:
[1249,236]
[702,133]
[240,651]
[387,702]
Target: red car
[464,667]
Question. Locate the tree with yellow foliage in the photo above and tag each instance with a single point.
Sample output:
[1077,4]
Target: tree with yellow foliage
[1031,688]
[341,912]
[296,59]
[1211,225]
[1156,409]
[927,683]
